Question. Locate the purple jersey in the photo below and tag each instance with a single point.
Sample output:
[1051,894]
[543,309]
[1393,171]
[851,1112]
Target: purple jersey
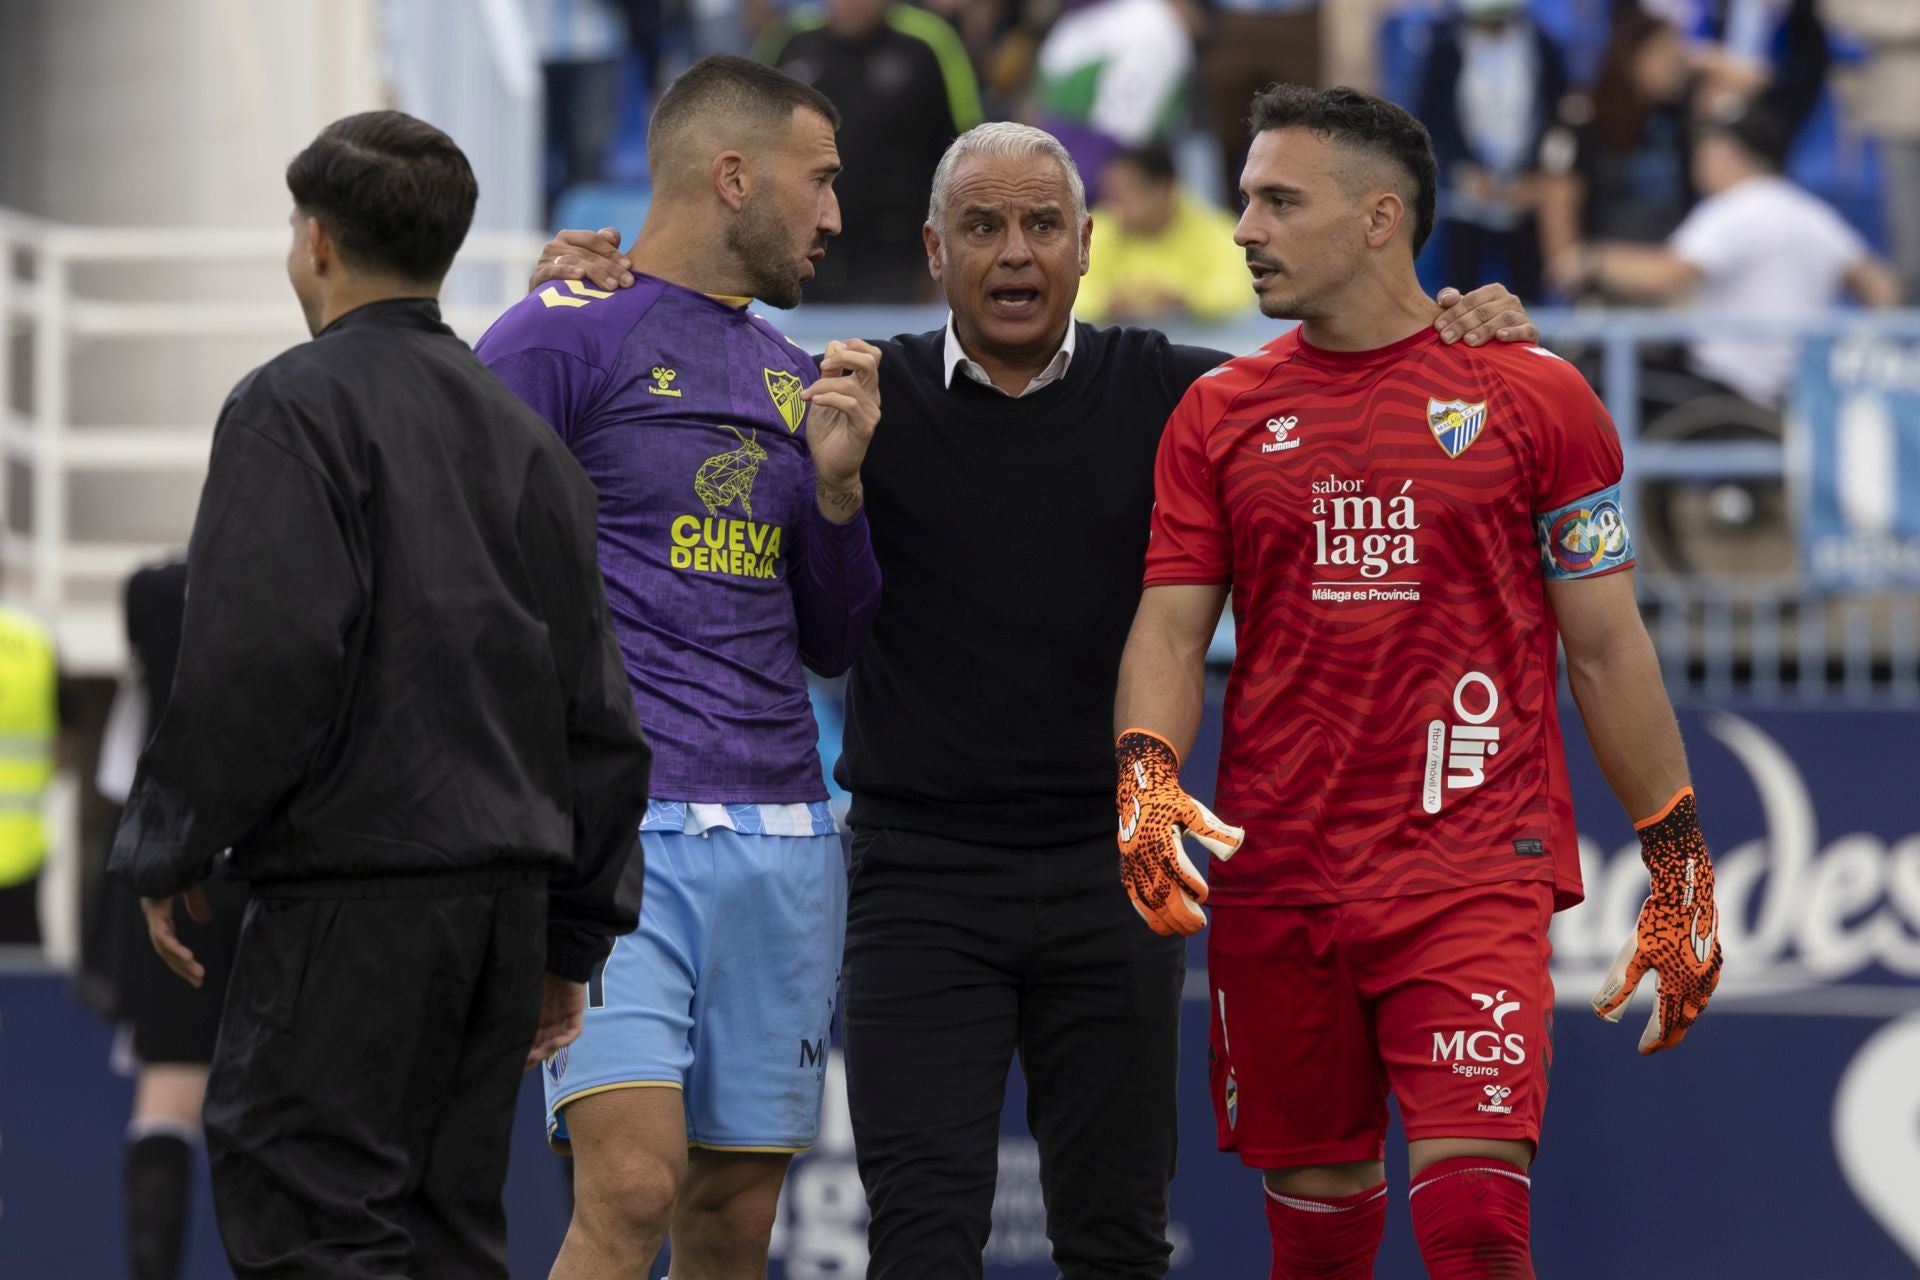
[721,574]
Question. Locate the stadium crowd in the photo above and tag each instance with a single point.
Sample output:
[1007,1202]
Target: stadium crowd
[1560,125]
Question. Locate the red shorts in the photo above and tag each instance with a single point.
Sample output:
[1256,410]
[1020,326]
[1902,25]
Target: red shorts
[1319,1011]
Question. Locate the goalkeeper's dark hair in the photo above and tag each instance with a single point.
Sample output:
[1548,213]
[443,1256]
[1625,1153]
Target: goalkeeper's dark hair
[1364,123]
[394,192]
[724,85]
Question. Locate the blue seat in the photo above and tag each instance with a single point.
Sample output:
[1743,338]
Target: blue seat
[1843,170]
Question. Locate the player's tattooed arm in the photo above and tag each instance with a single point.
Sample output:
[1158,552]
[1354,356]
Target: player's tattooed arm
[593,256]
[1488,314]
[840,500]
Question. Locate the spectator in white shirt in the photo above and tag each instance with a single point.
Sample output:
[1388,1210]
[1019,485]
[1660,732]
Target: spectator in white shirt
[1756,245]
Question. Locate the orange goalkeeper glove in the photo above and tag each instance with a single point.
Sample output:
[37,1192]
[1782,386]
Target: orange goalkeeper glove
[1164,887]
[1678,933]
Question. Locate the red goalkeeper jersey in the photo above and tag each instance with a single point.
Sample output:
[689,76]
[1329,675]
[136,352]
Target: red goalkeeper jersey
[1387,521]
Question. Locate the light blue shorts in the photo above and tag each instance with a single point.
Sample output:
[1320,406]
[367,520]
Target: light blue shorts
[725,991]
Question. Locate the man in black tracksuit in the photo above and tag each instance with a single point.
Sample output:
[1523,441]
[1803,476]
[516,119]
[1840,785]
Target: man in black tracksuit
[399,702]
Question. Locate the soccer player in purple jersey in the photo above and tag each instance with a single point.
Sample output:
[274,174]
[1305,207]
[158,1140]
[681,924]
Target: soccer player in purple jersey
[735,550]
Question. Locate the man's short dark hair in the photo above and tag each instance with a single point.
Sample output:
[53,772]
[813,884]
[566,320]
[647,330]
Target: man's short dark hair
[725,83]
[1364,122]
[1154,160]
[394,192]
[1759,130]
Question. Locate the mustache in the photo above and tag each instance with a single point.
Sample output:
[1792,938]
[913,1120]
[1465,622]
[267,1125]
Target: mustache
[1269,263]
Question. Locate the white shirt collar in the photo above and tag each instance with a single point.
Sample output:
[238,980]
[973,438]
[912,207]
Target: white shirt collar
[1056,369]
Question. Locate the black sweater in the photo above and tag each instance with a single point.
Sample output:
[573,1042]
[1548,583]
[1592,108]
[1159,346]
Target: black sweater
[396,673]
[1010,535]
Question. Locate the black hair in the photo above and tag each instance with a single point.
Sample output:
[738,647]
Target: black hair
[1761,131]
[726,82]
[394,192]
[1154,160]
[1362,121]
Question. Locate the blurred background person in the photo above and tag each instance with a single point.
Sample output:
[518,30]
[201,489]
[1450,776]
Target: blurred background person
[1000,38]
[1160,251]
[1884,103]
[1493,83]
[1250,44]
[1617,164]
[1114,74]
[1757,244]
[166,1028]
[30,718]
[585,73]
[905,89]
[1771,52]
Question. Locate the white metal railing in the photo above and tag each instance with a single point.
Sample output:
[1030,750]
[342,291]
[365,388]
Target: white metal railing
[48,564]
[1709,628]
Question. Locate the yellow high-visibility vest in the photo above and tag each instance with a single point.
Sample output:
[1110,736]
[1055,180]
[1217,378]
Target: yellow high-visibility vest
[29,722]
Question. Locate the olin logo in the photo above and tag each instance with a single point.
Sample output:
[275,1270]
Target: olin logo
[1457,754]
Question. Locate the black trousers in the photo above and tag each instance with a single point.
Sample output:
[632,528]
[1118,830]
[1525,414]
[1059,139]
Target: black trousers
[959,955]
[362,1091]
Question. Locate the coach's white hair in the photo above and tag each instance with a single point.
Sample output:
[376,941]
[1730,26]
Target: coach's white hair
[1004,140]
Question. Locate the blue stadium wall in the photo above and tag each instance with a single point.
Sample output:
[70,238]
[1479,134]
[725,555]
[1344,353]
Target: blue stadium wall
[1783,1139]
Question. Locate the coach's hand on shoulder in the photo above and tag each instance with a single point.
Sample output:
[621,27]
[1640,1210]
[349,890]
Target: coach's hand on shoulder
[1165,888]
[563,1012]
[1488,314]
[1677,936]
[593,256]
[159,913]
[844,409]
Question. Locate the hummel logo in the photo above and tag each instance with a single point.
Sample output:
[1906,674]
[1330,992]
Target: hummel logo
[1500,1005]
[1496,1098]
[1280,427]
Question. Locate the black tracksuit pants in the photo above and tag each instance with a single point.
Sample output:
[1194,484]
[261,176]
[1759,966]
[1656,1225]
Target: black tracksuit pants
[362,1091]
[958,956]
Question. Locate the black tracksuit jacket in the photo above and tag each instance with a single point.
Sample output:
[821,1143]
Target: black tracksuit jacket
[397,672]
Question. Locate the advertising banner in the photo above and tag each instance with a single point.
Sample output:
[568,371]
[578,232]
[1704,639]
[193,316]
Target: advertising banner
[1781,1140]
[1855,439]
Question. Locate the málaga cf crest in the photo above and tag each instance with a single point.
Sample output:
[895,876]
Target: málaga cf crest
[1456,424]
[727,477]
[785,390]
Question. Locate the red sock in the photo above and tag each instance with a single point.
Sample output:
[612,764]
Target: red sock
[1470,1217]
[1326,1237]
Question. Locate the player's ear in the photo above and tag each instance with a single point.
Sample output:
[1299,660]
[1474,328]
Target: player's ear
[1086,244]
[931,238]
[320,251]
[1385,212]
[730,178]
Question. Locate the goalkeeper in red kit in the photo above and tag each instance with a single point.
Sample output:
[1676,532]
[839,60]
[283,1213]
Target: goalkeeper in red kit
[1408,528]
